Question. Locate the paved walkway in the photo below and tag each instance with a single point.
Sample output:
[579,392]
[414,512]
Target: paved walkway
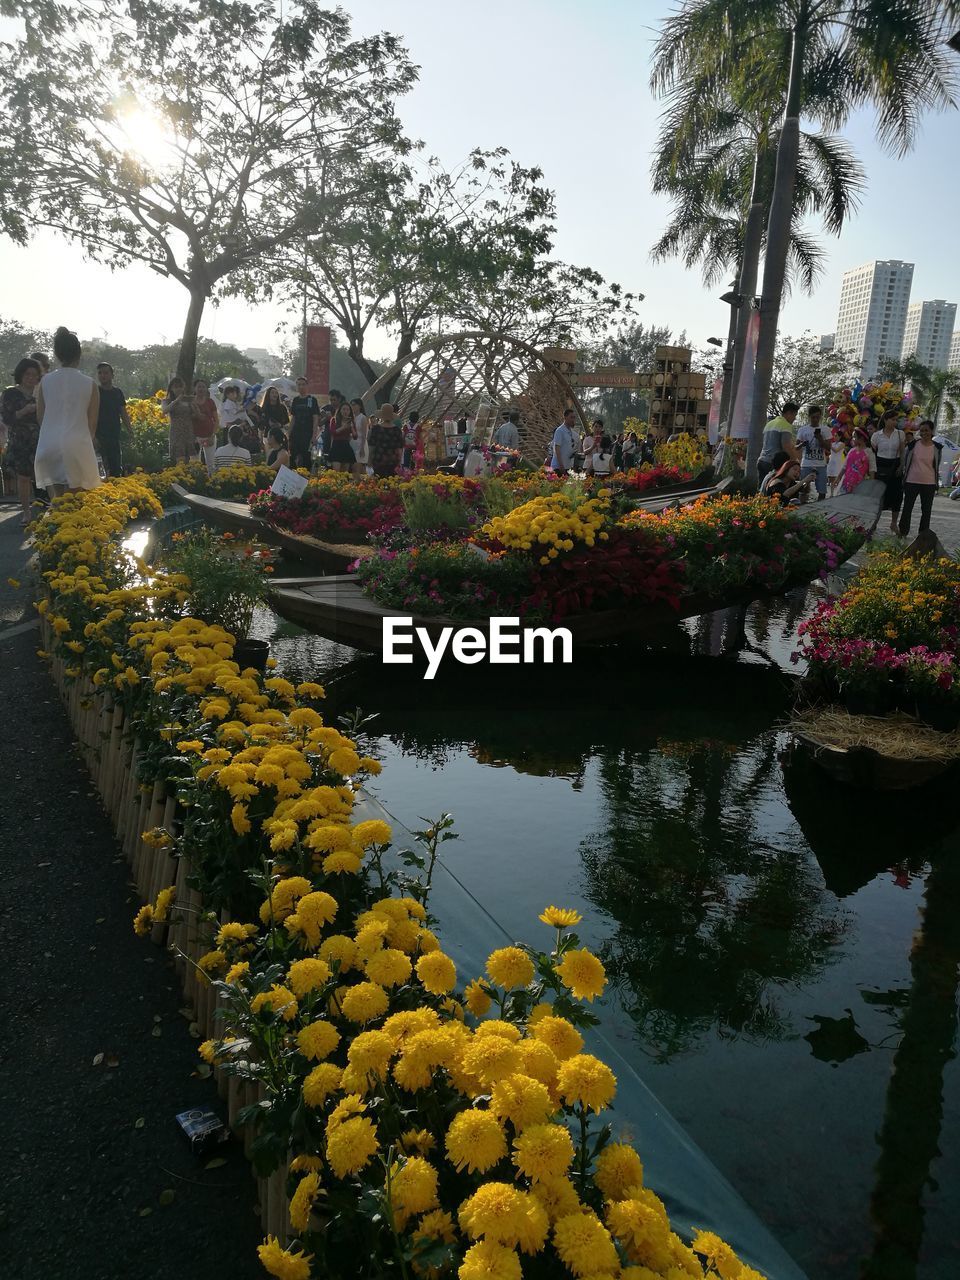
[82,1185]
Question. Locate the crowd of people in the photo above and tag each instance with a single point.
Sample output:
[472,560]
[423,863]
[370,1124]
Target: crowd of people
[293,431]
[62,429]
[796,460]
[595,451]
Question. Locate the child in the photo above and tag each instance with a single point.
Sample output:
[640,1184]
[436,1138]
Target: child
[836,461]
[860,461]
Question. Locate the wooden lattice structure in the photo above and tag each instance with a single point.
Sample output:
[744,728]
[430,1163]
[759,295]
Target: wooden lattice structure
[476,375]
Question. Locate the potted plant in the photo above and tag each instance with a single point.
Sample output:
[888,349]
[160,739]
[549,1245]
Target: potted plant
[931,680]
[867,674]
[227,580]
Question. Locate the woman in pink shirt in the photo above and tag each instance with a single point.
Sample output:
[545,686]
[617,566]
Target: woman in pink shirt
[921,472]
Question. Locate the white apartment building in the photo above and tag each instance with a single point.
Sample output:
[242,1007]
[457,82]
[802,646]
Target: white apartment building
[928,331]
[953,359]
[873,312]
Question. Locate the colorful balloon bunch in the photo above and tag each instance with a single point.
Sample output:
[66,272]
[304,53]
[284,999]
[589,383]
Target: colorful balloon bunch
[863,405]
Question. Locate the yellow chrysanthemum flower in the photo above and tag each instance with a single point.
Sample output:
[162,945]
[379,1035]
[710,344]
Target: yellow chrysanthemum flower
[351,1144]
[364,1002]
[279,1000]
[281,1263]
[499,1213]
[476,998]
[143,921]
[585,1245]
[543,1151]
[521,1100]
[586,1080]
[302,1201]
[475,1141]
[583,974]
[560,917]
[559,1035]
[305,976]
[323,1080]
[437,972]
[389,967]
[618,1170]
[489,1261]
[510,967]
[413,1186]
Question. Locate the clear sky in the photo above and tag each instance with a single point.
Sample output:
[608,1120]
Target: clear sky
[563,85]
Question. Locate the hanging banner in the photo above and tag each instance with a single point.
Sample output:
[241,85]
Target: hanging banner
[713,422]
[317,372]
[743,409]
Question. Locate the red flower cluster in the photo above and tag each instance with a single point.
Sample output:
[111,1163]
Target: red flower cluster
[623,573]
[344,516]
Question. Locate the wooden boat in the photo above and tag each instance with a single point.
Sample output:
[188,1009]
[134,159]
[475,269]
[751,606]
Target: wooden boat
[236,517]
[861,507]
[869,769]
[337,608]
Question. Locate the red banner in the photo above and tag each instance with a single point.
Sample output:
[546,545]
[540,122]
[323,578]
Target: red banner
[317,371]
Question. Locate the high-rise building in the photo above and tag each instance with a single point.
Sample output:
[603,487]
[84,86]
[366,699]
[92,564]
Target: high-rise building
[928,331]
[828,341]
[953,359]
[873,312]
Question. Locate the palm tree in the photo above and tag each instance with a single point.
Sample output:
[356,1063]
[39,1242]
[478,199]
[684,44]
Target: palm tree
[717,155]
[888,53]
[939,392]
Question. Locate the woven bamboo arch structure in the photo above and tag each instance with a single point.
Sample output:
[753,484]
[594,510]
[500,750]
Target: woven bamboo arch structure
[474,374]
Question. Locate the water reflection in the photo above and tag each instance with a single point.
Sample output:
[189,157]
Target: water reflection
[909,1139]
[712,919]
[757,920]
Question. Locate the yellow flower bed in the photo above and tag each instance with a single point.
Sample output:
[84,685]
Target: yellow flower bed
[554,523]
[424,1130]
[687,453]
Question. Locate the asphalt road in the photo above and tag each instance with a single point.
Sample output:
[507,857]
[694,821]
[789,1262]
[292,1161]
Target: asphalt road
[89,1151]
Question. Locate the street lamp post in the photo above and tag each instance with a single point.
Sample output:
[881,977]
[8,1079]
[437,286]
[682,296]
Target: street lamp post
[735,301]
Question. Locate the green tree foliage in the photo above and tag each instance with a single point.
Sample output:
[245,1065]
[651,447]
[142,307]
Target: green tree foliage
[631,347]
[805,374]
[138,372]
[195,138]
[435,249]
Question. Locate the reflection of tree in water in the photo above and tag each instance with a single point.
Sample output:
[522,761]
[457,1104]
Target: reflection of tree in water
[711,920]
[913,1116]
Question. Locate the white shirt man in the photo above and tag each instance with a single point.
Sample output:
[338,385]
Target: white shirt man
[814,445]
[564,444]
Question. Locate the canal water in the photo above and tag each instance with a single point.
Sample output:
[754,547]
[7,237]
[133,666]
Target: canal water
[783,953]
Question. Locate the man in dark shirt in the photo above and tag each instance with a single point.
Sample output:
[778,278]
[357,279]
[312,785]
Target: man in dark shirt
[305,426]
[328,413]
[112,418]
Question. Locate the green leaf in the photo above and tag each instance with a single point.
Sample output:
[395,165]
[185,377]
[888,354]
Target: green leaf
[168,1196]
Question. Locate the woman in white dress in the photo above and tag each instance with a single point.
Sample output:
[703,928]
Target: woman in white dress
[359,442]
[68,403]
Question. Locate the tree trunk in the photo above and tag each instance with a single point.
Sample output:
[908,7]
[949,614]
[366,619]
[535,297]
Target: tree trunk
[404,347]
[187,359]
[363,364]
[778,241]
[750,264]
